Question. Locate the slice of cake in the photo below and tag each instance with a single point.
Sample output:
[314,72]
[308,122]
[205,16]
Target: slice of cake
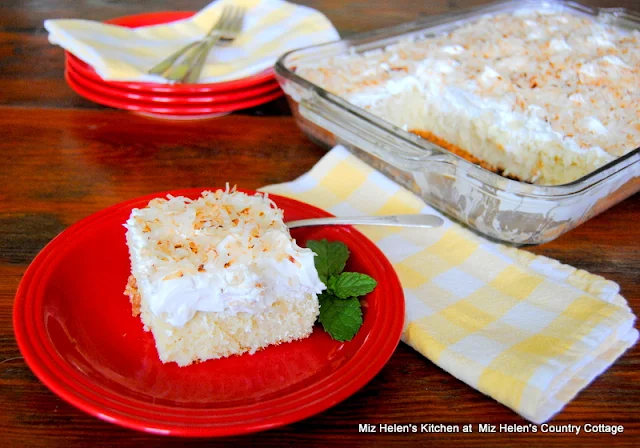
[542,97]
[219,275]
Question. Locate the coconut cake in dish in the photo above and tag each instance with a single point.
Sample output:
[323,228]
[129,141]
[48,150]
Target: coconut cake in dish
[541,97]
[219,275]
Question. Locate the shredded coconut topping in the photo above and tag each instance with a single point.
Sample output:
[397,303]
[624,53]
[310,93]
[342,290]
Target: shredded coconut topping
[579,78]
[225,251]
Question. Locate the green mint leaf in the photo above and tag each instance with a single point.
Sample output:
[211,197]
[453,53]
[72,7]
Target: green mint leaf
[340,318]
[331,257]
[351,284]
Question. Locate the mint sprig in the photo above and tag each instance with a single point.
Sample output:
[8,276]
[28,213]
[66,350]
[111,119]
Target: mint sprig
[340,309]
[340,318]
[331,257]
[351,284]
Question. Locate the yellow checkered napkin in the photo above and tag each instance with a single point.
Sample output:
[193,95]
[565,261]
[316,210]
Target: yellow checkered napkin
[271,28]
[523,329]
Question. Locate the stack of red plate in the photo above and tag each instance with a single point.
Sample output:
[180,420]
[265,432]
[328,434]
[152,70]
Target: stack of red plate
[170,100]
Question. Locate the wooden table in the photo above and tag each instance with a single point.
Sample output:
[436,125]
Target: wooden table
[65,158]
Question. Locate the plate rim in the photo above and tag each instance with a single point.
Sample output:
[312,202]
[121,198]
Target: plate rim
[364,369]
[202,100]
[162,108]
[173,98]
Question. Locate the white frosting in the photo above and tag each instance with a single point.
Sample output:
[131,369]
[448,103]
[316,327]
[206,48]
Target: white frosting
[559,45]
[208,255]
[547,97]
[471,121]
[453,49]
[594,125]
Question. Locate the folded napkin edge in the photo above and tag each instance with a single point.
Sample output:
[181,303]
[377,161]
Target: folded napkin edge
[548,409]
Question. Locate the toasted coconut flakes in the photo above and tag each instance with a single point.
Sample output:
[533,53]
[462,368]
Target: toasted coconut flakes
[131,290]
[174,275]
[541,59]
[186,236]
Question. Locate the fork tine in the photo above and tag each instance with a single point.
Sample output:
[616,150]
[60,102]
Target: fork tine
[235,24]
[230,18]
[165,65]
[241,14]
[234,28]
[240,21]
[224,16]
[228,27]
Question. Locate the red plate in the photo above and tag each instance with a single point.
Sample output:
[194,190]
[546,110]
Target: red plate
[174,110]
[74,327]
[155,19]
[200,99]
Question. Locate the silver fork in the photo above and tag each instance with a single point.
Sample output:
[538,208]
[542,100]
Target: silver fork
[227,34]
[193,56]
[424,221]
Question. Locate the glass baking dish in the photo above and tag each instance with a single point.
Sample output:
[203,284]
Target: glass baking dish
[498,207]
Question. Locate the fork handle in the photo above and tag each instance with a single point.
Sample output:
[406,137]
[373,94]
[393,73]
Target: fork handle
[194,74]
[166,64]
[178,72]
[418,220]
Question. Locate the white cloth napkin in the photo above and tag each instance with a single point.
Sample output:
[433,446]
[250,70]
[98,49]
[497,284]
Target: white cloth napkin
[271,28]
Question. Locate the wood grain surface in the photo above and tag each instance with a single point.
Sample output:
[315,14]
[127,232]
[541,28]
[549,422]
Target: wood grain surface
[64,158]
